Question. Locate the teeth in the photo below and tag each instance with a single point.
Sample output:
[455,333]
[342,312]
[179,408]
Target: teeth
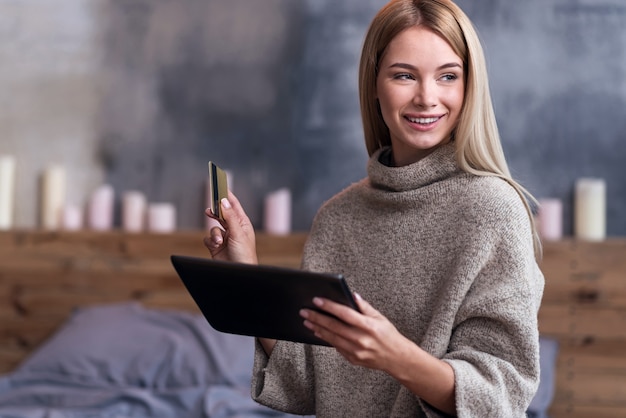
[423,121]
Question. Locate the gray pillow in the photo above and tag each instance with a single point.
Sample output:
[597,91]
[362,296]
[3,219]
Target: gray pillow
[129,345]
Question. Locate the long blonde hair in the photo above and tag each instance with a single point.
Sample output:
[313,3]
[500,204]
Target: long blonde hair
[477,139]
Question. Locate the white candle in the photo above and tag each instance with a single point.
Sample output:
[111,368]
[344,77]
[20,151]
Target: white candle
[161,217]
[72,219]
[550,219]
[133,211]
[590,209]
[7,191]
[53,197]
[100,211]
[277,212]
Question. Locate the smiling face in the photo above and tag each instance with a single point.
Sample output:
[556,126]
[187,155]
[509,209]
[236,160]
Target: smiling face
[420,87]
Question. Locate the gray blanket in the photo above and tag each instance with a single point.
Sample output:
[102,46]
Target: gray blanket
[124,360]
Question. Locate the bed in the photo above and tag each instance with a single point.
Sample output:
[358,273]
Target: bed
[97,324]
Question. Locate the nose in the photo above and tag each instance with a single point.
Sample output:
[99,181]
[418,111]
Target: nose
[425,94]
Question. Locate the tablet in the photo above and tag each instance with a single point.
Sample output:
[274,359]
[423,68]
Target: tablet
[258,300]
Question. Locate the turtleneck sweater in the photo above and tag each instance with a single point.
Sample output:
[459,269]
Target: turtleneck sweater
[448,258]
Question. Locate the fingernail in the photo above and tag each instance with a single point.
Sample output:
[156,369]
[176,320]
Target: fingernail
[304,313]
[357,296]
[225,203]
[318,301]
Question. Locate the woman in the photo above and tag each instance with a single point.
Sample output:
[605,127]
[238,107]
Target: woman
[438,242]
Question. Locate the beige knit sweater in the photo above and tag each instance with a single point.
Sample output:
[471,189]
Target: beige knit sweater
[448,258]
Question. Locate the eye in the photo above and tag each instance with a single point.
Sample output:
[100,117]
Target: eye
[403,76]
[449,77]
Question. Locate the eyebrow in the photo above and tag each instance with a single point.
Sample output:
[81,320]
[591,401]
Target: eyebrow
[413,68]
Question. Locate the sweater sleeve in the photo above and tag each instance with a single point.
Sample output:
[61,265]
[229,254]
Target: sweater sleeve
[283,381]
[494,347]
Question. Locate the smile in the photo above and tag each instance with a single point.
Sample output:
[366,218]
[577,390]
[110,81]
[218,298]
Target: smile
[424,121]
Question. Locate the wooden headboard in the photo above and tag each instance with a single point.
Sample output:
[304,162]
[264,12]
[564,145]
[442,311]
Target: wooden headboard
[584,308]
[44,275]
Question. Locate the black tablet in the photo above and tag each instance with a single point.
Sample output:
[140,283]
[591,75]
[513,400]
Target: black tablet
[258,300]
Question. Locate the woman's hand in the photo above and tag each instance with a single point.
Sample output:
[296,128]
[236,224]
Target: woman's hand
[365,339]
[235,240]
[370,340]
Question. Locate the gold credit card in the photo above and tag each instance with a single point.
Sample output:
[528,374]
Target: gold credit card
[218,188]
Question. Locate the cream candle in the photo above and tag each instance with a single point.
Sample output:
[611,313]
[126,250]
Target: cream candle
[7,191]
[133,211]
[100,210]
[277,212]
[161,217]
[53,197]
[590,209]
[550,219]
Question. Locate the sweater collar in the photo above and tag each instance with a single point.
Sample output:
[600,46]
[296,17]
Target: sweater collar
[438,165]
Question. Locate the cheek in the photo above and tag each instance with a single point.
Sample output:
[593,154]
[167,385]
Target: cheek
[383,102]
[391,100]
[454,101]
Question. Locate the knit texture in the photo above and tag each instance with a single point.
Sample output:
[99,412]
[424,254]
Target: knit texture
[448,258]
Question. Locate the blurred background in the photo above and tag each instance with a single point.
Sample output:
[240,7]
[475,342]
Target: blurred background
[140,94]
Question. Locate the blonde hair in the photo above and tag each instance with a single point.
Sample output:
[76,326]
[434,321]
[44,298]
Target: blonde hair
[476,137]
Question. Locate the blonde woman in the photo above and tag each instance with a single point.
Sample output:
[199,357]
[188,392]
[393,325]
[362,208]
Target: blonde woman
[438,242]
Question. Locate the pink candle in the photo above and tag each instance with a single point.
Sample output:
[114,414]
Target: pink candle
[550,219]
[133,211]
[72,219]
[277,213]
[161,217]
[100,214]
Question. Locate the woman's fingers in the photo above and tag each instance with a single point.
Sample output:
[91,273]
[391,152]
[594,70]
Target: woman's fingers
[336,322]
[362,338]
[233,239]
[346,313]
[215,238]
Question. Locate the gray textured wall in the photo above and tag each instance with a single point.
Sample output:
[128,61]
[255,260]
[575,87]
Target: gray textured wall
[558,77]
[268,90]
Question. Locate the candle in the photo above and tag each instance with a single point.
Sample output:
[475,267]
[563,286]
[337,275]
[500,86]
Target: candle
[590,209]
[72,218]
[161,217]
[53,197]
[100,211]
[277,212]
[133,211]
[550,219]
[7,191]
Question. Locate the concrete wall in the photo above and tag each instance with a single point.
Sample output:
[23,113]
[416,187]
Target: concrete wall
[142,93]
[49,95]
